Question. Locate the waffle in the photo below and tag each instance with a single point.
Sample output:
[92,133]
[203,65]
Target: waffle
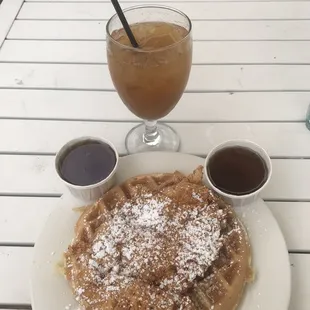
[159,242]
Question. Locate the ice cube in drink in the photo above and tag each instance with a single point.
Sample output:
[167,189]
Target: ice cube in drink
[150,79]
[152,35]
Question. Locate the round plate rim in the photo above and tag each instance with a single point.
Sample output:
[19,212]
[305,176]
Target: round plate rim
[155,156]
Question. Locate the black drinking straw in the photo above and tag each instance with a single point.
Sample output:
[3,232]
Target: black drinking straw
[124,22]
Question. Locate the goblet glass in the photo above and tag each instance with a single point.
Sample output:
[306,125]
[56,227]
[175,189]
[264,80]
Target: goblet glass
[150,79]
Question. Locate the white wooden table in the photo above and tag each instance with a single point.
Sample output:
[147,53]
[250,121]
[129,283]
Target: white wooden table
[250,79]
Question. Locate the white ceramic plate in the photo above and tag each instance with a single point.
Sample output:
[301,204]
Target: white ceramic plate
[271,289]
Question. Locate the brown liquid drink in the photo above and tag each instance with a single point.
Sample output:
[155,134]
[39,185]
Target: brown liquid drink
[151,80]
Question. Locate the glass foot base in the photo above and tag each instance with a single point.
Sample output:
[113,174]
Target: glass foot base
[168,140]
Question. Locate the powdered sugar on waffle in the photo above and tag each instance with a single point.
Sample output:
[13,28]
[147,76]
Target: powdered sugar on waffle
[131,235]
[201,242]
[142,238]
[151,247]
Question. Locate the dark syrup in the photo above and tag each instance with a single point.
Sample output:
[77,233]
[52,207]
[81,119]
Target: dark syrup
[87,163]
[237,170]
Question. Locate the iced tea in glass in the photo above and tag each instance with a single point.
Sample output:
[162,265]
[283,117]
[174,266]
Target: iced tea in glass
[150,79]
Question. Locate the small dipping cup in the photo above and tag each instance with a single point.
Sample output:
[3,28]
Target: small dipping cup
[92,192]
[246,199]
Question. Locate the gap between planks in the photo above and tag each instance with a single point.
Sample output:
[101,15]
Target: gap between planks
[123,154]
[196,40]
[140,121]
[159,1]
[15,307]
[31,245]
[192,19]
[199,91]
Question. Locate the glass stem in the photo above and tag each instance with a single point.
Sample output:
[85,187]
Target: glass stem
[151,135]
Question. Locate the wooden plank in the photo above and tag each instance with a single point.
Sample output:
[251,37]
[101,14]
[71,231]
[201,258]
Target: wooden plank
[293,219]
[34,211]
[36,175]
[204,52]
[15,264]
[208,78]
[193,107]
[197,11]
[202,30]
[8,11]
[300,267]
[27,136]
[23,218]
[46,137]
